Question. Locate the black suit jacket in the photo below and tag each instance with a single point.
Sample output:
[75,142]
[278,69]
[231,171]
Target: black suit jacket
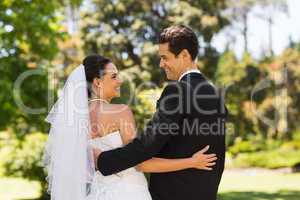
[190,114]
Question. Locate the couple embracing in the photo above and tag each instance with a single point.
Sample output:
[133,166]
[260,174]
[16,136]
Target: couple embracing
[94,153]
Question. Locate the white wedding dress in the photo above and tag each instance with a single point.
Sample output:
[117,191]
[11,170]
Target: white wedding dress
[129,184]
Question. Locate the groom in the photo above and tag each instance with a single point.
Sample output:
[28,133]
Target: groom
[190,114]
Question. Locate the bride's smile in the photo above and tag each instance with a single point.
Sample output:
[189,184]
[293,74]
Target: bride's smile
[107,86]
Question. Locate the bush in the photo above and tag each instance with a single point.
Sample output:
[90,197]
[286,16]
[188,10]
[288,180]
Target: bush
[253,144]
[23,157]
[296,135]
[8,144]
[291,145]
[267,159]
[145,106]
[267,153]
[242,147]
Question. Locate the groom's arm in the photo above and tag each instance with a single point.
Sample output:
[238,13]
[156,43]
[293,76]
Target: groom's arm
[151,141]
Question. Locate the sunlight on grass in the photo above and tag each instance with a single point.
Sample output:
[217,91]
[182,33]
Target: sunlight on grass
[268,182]
[234,186]
[17,188]
[259,186]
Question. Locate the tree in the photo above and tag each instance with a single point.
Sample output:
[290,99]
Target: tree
[237,78]
[284,72]
[238,11]
[268,10]
[28,34]
[126,30]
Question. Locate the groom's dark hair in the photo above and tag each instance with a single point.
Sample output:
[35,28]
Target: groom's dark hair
[180,37]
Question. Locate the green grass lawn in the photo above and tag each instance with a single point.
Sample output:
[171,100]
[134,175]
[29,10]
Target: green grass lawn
[234,186]
[259,186]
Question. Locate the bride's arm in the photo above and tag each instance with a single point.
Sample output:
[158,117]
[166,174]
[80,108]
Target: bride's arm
[199,161]
[155,165]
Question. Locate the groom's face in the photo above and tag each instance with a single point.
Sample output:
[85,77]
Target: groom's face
[169,62]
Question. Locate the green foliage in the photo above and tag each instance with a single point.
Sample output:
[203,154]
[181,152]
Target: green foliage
[253,144]
[145,106]
[296,135]
[243,147]
[126,31]
[270,111]
[261,195]
[291,145]
[29,32]
[268,159]
[257,152]
[238,78]
[23,158]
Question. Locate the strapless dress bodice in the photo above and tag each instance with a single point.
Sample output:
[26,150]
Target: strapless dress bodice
[112,141]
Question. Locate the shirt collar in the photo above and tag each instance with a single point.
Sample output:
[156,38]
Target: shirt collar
[189,71]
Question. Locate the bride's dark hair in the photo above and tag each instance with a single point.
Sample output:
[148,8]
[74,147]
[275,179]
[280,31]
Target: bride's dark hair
[94,66]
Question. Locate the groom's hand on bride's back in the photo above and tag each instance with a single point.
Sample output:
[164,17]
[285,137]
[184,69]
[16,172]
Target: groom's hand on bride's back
[203,161]
[96,154]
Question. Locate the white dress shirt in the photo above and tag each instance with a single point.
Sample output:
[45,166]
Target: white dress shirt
[189,71]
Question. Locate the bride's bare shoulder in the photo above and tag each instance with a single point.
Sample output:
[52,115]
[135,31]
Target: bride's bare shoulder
[121,109]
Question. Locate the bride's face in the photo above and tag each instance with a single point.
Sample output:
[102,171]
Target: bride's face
[110,82]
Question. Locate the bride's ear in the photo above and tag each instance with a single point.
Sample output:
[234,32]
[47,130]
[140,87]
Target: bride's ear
[97,82]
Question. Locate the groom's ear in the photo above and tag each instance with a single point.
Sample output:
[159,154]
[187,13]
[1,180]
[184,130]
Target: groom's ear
[185,54]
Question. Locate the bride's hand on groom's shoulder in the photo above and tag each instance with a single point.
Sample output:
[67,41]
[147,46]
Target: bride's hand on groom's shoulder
[203,161]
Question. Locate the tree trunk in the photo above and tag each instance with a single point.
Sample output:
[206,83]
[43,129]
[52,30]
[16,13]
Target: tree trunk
[245,31]
[270,35]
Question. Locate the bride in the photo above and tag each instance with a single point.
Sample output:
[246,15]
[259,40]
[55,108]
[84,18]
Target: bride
[82,119]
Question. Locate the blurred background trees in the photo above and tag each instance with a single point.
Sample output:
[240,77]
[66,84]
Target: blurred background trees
[42,41]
